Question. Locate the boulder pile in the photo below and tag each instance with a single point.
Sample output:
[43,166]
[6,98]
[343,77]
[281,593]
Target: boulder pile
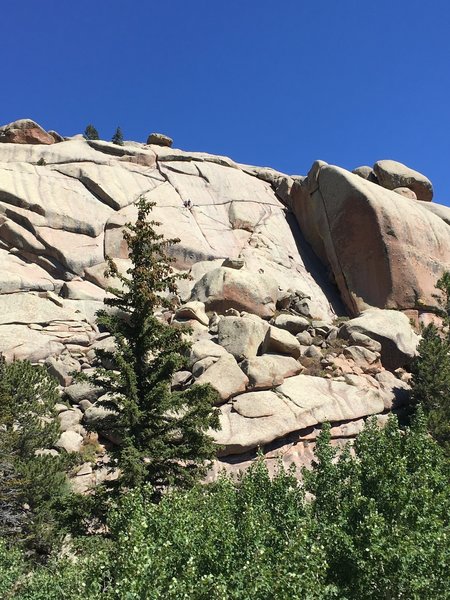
[301,292]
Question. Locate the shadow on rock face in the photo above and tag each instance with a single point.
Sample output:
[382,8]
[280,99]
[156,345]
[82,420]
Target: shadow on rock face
[316,267]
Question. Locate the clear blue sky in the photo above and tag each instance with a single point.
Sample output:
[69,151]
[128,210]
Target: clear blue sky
[277,83]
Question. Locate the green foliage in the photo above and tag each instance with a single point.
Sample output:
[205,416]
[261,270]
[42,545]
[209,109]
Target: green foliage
[11,569]
[246,541]
[375,525]
[59,579]
[117,138]
[443,285]
[431,370]
[30,485]
[90,133]
[163,433]
[382,515]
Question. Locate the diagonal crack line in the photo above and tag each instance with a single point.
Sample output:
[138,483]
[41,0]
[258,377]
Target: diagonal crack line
[332,242]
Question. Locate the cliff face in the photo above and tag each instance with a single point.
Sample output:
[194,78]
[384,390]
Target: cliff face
[274,260]
[386,248]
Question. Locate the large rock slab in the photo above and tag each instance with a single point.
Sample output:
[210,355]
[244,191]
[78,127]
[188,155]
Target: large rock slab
[392,174]
[70,151]
[51,199]
[391,329]
[443,212]
[88,188]
[17,275]
[34,327]
[74,251]
[258,418]
[17,237]
[31,308]
[82,290]
[224,288]
[114,185]
[198,240]
[19,342]
[384,250]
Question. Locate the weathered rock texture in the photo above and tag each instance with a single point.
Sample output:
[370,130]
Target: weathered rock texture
[384,250]
[393,175]
[26,131]
[262,312]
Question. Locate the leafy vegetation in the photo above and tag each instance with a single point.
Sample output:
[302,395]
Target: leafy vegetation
[381,514]
[373,525]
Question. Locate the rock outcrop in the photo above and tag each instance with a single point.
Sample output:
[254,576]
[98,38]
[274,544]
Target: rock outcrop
[391,329]
[393,175]
[384,250]
[254,419]
[26,131]
[269,331]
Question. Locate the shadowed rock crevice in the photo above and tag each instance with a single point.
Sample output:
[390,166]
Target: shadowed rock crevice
[322,276]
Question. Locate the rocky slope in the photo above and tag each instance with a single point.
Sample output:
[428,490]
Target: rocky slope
[278,264]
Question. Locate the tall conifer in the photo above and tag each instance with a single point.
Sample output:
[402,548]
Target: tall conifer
[431,370]
[164,439]
[90,133]
[117,138]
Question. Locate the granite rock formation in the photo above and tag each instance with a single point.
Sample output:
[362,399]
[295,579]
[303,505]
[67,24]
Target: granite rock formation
[278,264]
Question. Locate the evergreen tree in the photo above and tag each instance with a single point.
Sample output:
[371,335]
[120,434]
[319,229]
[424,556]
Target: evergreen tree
[90,133]
[117,138]
[163,433]
[31,485]
[431,370]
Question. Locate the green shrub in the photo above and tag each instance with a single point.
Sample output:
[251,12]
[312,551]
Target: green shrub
[374,525]
[382,515]
[227,541]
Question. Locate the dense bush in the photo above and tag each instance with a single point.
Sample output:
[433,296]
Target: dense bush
[374,525]
[382,515]
[249,541]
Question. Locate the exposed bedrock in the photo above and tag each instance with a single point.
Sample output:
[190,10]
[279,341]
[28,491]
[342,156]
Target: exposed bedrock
[384,249]
[259,246]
